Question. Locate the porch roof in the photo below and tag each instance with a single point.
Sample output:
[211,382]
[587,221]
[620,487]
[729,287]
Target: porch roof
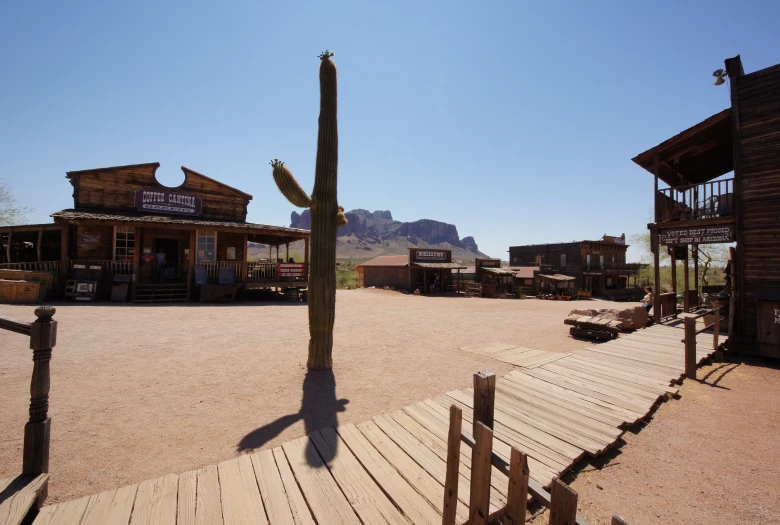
[498,271]
[699,154]
[440,265]
[557,277]
[259,232]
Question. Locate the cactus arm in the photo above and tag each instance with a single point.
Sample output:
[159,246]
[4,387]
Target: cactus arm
[341,219]
[289,187]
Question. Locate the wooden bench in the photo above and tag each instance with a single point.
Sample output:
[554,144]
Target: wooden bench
[23,495]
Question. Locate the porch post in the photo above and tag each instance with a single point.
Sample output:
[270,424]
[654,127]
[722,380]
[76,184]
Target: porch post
[695,252]
[287,251]
[245,263]
[8,246]
[64,253]
[306,257]
[657,276]
[38,244]
[674,272]
[270,252]
[686,303]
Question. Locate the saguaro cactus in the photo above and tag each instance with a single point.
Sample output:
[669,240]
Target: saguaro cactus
[326,217]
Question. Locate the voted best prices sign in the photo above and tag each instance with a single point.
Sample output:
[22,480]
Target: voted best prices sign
[703,235]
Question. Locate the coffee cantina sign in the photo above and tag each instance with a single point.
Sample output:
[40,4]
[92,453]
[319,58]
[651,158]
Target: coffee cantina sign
[429,256]
[707,235]
[164,201]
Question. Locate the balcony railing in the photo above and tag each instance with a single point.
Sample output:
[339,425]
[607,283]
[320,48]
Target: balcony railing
[42,266]
[212,268]
[258,271]
[698,201]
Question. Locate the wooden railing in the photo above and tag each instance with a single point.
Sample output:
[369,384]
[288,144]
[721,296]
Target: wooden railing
[43,337]
[690,339]
[261,271]
[668,305]
[42,266]
[110,267]
[212,268]
[697,201]
[561,500]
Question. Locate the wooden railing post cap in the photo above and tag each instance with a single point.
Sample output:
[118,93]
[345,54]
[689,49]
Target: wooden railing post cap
[45,313]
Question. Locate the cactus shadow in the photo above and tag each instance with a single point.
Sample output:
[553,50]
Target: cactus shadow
[319,409]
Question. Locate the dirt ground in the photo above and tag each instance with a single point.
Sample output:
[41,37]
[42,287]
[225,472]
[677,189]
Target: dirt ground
[708,458]
[141,391]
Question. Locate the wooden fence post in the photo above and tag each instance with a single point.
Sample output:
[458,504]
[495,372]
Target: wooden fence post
[517,496]
[453,465]
[716,334]
[479,500]
[484,399]
[690,348]
[563,504]
[43,337]
[617,520]
[733,296]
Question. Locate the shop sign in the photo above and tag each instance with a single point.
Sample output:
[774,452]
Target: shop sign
[164,201]
[90,238]
[704,235]
[290,270]
[430,256]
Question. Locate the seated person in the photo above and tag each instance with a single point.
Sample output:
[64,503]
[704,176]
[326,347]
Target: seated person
[647,300]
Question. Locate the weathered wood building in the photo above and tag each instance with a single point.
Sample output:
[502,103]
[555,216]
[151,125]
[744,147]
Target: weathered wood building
[426,269]
[597,266]
[166,243]
[696,202]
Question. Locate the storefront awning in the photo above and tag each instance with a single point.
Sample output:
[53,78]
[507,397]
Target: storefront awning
[439,266]
[498,271]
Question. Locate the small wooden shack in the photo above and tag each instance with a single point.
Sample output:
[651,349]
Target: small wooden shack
[164,244]
[428,270]
[698,200]
[556,286]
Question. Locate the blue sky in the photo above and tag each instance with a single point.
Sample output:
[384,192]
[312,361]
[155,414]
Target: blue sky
[516,121]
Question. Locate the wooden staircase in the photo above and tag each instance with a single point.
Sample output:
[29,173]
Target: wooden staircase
[160,293]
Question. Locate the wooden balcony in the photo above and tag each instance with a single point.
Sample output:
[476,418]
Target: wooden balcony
[696,202]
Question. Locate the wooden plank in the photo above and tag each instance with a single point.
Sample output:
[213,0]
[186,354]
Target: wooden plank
[155,501]
[563,504]
[298,508]
[21,492]
[411,503]
[596,367]
[517,501]
[610,383]
[553,358]
[415,475]
[479,501]
[487,348]
[690,348]
[624,365]
[187,499]
[550,400]
[67,513]
[617,520]
[435,437]
[368,500]
[533,361]
[450,504]
[271,486]
[325,499]
[112,507]
[208,506]
[556,438]
[241,501]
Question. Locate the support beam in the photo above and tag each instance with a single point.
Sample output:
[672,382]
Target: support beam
[517,495]
[656,277]
[690,348]
[674,271]
[479,500]
[733,296]
[8,246]
[716,336]
[39,243]
[686,282]
[64,241]
[563,504]
[695,250]
[287,252]
[484,399]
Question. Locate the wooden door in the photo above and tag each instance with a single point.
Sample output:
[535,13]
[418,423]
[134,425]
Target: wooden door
[769,328]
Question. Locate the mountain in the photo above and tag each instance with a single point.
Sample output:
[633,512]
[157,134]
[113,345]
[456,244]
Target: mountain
[370,234]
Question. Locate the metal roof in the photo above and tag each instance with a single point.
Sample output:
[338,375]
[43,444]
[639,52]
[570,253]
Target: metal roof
[118,216]
[524,272]
[557,277]
[388,260]
[498,271]
[440,265]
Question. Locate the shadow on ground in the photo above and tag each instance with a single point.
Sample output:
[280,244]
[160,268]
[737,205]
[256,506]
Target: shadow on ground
[319,409]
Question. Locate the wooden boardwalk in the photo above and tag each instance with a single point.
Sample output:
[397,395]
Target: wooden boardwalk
[392,469]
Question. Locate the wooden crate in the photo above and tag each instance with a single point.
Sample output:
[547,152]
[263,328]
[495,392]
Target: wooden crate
[19,292]
[46,279]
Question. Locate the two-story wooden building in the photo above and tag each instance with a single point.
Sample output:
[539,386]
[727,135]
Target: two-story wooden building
[166,241]
[697,202]
[597,266]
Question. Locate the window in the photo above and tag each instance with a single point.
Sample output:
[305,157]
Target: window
[587,263]
[230,253]
[207,246]
[613,259]
[601,261]
[124,243]
[563,260]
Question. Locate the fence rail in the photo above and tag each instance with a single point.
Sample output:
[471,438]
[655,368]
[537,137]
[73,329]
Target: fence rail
[212,268]
[697,201]
[108,266]
[41,266]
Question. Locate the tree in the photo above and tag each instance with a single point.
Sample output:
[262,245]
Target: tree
[712,255]
[10,211]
